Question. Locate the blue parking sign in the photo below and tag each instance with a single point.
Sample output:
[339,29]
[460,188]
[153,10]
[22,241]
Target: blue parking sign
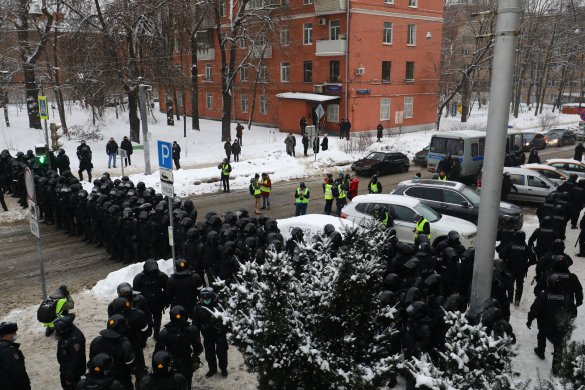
[165,155]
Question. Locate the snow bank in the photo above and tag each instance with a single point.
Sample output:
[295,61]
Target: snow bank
[312,224]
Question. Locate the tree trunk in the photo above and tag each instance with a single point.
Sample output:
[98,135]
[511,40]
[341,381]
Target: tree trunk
[465,98]
[32,96]
[226,116]
[133,115]
[543,94]
[530,86]
[194,84]
[6,115]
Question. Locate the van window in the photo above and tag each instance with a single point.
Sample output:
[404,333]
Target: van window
[474,149]
[447,146]
[427,193]
[536,182]
[402,213]
[481,146]
[518,179]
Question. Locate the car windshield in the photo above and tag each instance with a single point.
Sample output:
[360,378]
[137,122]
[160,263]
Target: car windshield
[471,195]
[375,156]
[428,213]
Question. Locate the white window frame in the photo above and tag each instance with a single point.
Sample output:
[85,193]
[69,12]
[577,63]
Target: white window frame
[307,33]
[244,103]
[264,105]
[284,72]
[385,109]
[334,31]
[388,32]
[284,37]
[408,106]
[209,101]
[222,7]
[263,73]
[389,2]
[411,35]
[208,72]
[243,73]
[413,3]
[242,43]
[307,2]
[333,113]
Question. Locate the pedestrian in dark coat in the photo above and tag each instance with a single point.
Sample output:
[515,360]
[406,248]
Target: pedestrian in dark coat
[236,150]
[70,352]
[2,202]
[176,154]
[579,150]
[84,155]
[112,152]
[342,128]
[379,132]
[303,125]
[347,128]
[325,143]
[127,146]
[533,157]
[12,368]
[507,186]
[62,161]
[305,142]
[227,147]
[239,131]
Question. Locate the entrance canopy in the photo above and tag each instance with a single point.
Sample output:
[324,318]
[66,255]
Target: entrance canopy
[314,97]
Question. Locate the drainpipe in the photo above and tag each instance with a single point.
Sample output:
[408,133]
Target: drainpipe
[346,59]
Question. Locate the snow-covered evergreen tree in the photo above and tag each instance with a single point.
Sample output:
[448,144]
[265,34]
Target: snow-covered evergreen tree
[571,375]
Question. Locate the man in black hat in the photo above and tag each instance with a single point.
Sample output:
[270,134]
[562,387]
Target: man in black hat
[70,352]
[12,368]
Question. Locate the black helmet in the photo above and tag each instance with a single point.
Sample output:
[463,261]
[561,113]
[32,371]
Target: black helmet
[141,186]
[336,238]
[433,281]
[417,310]
[161,363]
[63,325]
[560,263]
[192,233]
[392,282]
[178,314]
[117,323]
[188,205]
[558,245]
[243,213]
[520,236]
[127,212]
[455,302]
[297,233]
[120,304]
[555,282]
[412,295]
[207,295]
[425,248]
[412,264]
[101,364]
[328,229]
[181,265]
[386,298]
[124,290]
[374,177]
[125,178]
[150,265]
[453,236]
[491,316]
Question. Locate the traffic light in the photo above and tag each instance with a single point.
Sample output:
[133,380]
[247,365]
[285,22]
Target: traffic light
[56,133]
[41,153]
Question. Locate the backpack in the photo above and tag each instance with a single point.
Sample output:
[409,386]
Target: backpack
[335,191]
[47,310]
[251,188]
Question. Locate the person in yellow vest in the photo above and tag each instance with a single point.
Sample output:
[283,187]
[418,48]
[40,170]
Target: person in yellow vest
[265,187]
[382,216]
[328,195]
[55,306]
[442,175]
[422,226]
[256,193]
[374,186]
[226,169]
[302,195]
[341,198]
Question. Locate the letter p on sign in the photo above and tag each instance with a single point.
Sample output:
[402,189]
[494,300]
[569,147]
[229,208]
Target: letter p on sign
[165,155]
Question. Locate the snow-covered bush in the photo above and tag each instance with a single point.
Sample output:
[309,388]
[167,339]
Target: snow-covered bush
[571,375]
[472,359]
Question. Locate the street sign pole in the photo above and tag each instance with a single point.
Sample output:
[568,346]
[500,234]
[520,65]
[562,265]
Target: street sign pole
[165,163]
[34,225]
[171,230]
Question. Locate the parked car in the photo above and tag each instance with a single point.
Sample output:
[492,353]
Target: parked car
[554,174]
[560,137]
[568,165]
[533,141]
[381,163]
[421,157]
[531,185]
[403,209]
[454,199]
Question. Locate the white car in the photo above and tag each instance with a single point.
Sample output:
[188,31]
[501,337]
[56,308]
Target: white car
[312,224]
[568,165]
[531,186]
[554,174]
[403,210]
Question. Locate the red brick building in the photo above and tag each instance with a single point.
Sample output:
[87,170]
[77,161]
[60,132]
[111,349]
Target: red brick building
[384,68]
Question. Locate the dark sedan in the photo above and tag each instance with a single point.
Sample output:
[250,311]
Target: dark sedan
[533,141]
[560,137]
[381,163]
[421,157]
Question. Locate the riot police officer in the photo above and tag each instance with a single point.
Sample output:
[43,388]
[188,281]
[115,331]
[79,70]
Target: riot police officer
[12,368]
[163,376]
[70,352]
[152,284]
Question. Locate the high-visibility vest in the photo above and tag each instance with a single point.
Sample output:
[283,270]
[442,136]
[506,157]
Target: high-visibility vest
[342,192]
[328,192]
[304,193]
[256,188]
[442,178]
[386,218]
[420,227]
[374,187]
[224,169]
[263,186]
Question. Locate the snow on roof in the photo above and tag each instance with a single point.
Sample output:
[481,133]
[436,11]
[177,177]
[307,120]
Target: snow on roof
[386,198]
[306,96]
[563,160]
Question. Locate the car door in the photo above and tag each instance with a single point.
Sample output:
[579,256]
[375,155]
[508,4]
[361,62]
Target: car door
[389,164]
[519,180]
[361,214]
[457,206]
[404,223]
[537,189]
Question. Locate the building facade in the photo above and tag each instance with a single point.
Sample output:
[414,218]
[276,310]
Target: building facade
[376,62]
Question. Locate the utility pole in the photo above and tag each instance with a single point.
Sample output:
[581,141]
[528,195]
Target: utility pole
[144,119]
[506,38]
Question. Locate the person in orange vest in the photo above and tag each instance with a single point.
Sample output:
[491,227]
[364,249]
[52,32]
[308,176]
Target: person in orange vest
[265,187]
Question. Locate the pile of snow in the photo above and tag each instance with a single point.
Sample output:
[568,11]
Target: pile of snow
[312,224]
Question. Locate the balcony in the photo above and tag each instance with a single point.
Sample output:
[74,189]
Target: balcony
[331,47]
[329,6]
[206,54]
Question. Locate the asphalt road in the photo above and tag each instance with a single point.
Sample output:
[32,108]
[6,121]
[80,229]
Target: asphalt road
[79,265]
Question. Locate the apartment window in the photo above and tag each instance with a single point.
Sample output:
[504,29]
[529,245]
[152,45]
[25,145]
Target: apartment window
[387,33]
[413,3]
[307,33]
[333,113]
[207,71]
[285,72]
[242,43]
[244,73]
[385,109]
[334,29]
[388,1]
[307,2]
[209,101]
[308,72]
[386,66]
[334,74]
[408,106]
[263,73]
[411,35]
[264,105]
[244,103]
[409,71]
[284,39]
[221,7]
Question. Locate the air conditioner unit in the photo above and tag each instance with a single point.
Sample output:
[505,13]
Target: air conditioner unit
[360,71]
[317,88]
[322,21]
